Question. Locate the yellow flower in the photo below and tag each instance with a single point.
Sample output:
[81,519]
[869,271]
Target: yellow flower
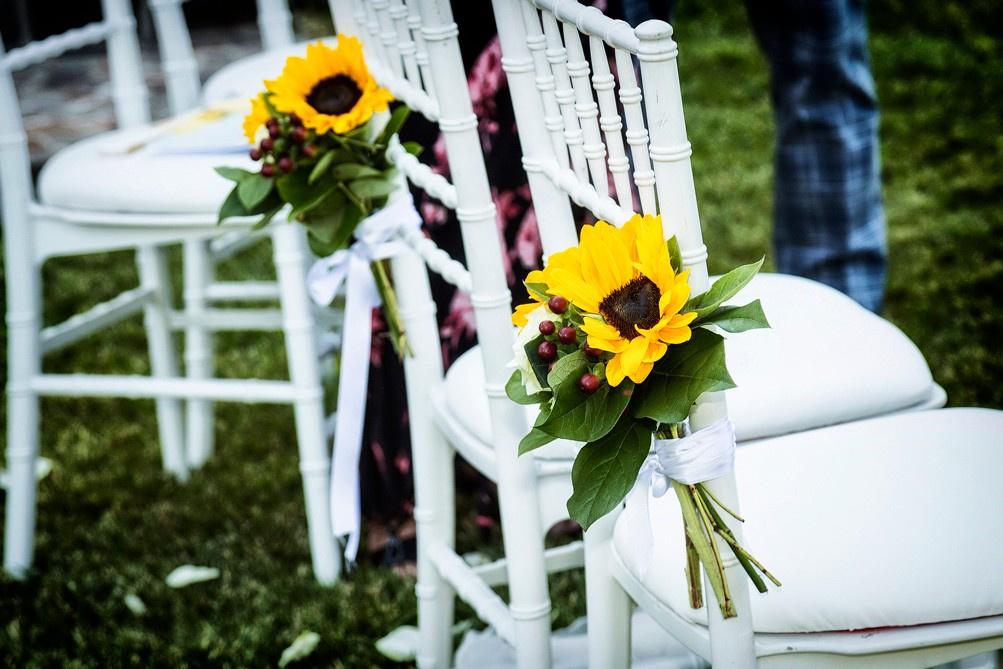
[253,121]
[521,314]
[624,279]
[330,89]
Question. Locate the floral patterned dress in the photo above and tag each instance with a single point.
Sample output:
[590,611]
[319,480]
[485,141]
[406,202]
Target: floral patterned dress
[387,488]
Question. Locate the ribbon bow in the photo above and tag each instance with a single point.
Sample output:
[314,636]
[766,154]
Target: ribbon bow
[376,238]
[708,453]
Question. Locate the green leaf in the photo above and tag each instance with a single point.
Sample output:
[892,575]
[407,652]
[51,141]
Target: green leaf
[581,417]
[267,217]
[254,189]
[267,100]
[605,471]
[325,223]
[516,391]
[414,148]
[540,368]
[686,372]
[538,290]
[231,207]
[350,171]
[534,440]
[295,188]
[234,173]
[568,368]
[371,187]
[675,254]
[723,289]
[321,167]
[737,319]
[394,123]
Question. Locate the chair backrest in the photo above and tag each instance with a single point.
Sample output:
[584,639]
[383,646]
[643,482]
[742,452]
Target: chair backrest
[129,94]
[574,145]
[177,57]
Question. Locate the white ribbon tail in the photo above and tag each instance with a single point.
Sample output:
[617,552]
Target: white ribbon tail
[376,239]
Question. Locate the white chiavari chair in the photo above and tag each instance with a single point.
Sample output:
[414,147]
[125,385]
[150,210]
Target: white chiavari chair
[851,516]
[108,192]
[184,94]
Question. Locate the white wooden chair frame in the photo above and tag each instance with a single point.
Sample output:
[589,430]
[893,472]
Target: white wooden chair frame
[35,232]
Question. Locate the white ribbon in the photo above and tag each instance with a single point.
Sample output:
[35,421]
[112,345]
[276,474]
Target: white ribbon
[708,453]
[376,238]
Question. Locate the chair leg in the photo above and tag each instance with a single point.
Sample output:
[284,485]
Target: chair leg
[522,535]
[23,363]
[198,274]
[163,359]
[22,451]
[304,371]
[608,606]
[432,456]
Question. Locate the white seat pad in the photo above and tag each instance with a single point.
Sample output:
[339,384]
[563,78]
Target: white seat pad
[881,523]
[826,360]
[163,177]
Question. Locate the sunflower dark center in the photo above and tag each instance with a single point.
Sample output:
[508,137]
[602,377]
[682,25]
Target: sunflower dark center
[633,304]
[334,95]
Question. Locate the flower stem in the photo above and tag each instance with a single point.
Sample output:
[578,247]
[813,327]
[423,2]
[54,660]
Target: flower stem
[395,322]
[707,493]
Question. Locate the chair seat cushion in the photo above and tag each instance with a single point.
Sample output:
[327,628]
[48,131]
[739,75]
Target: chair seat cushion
[887,522]
[826,360]
[148,169]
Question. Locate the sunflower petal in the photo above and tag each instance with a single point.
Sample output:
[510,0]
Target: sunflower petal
[641,373]
[614,372]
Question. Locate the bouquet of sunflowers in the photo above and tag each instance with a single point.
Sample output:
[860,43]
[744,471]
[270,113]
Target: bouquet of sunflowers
[314,131]
[616,351]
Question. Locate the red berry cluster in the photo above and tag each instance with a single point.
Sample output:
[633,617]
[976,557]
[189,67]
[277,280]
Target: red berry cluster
[287,142]
[564,332]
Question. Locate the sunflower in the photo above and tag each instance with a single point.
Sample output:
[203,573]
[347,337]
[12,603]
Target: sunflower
[623,279]
[330,89]
[254,120]
[521,314]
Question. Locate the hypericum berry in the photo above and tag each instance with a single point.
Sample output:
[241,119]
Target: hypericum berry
[272,122]
[589,383]
[295,120]
[286,164]
[298,135]
[547,328]
[256,153]
[567,335]
[275,132]
[547,351]
[268,170]
[267,144]
[309,150]
[558,304]
[592,352]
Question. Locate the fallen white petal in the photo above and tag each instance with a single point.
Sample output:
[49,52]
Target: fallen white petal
[304,644]
[135,604]
[187,574]
[401,645]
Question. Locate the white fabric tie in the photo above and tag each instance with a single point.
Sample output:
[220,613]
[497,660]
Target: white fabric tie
[707,454]
[376,238]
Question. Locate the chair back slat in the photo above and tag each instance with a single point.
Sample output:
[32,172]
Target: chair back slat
[586,109]
[177,57]
[275,22]
[604,83]
[637,132]
[557,57]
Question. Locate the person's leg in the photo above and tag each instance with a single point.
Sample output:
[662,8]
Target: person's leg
[829,220]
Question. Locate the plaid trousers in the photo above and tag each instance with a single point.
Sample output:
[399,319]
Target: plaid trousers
[829,222]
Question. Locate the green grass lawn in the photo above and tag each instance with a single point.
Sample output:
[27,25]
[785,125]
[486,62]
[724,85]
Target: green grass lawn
[111,523]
